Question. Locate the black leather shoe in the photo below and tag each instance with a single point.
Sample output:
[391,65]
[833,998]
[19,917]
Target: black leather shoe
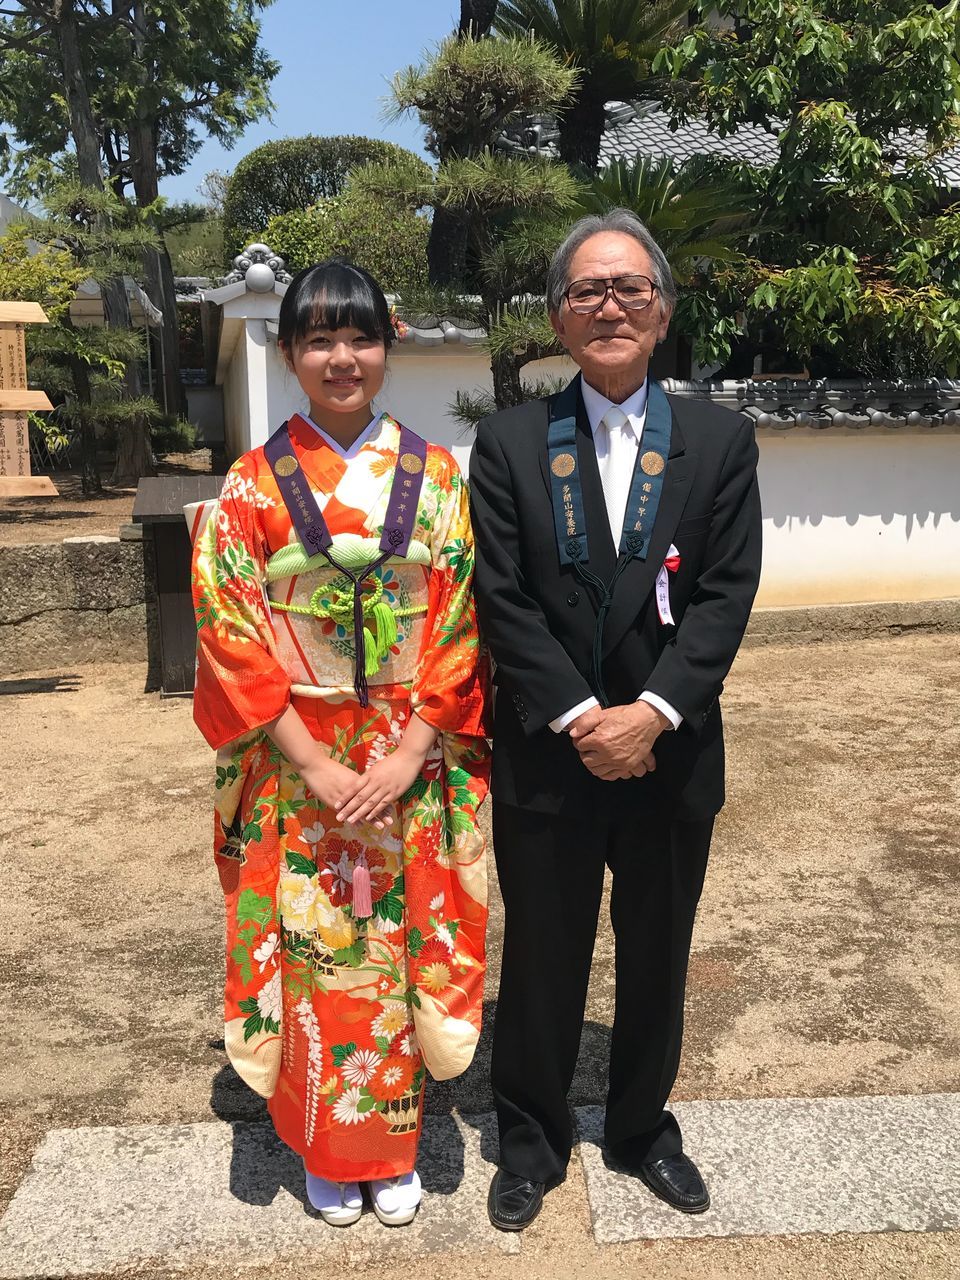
[514,1201]
[676,1179]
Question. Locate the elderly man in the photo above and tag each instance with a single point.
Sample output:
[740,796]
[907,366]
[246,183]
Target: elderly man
[618,554]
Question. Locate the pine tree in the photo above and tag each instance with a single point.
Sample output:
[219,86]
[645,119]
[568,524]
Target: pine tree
[486,201]
[612,43]
[85,235]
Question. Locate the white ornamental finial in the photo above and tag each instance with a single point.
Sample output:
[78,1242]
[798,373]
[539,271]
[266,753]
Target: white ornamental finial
[259,268]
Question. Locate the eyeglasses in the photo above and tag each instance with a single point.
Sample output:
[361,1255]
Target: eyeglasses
[632,292]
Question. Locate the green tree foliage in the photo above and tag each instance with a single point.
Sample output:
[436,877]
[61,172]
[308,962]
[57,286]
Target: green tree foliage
[133,86]
[481,266]
[613,44]
[85,236]
[390,244]
[465,93]
[193,235]
[699,210]
[294,174]
[42,273]
[855,263]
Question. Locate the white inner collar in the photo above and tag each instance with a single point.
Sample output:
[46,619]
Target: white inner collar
[366,434]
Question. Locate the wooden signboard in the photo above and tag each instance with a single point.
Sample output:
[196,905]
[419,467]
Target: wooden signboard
[15,402]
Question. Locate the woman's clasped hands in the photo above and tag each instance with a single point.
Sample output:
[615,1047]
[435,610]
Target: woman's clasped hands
[364,797]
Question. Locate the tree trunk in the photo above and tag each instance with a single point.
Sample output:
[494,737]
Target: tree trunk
[116,310]
[90,482]
[86,141]
[80,375]
[134,454]
[162,291]
[476,17]
[507,388]
[447,247]
[82,126]
[168,392]
[581,128]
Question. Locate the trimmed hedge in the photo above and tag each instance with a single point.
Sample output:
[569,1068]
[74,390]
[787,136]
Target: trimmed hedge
[292,175]
[390,244]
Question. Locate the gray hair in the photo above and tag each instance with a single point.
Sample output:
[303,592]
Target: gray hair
[627,224]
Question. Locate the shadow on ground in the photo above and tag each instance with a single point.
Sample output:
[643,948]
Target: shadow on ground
[257,1181]
[41,684]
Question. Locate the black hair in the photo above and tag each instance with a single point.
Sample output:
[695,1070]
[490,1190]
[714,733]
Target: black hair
[334,294]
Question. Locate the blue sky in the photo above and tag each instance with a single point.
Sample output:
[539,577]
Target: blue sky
[336,59]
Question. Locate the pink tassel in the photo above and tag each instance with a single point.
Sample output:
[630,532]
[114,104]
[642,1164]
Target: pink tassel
[362,898]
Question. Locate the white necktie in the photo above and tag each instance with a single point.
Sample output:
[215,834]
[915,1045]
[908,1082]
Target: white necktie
[616,469]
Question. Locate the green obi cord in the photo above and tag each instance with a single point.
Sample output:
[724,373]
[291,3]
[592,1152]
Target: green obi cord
[333,601]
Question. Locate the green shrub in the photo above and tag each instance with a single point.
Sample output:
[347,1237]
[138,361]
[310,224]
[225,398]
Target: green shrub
[390,244]
[292,175]
[171,434]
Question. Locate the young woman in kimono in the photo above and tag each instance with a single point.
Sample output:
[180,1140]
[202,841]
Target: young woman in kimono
[339,678]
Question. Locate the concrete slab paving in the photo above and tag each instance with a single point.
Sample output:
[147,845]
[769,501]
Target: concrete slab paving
[99,1200]
[787,1166]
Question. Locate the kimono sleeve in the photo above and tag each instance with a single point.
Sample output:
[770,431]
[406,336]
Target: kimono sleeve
[450,690]
[240,684]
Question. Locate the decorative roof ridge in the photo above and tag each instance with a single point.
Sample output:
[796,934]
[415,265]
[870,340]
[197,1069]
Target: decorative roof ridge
[259,268]
[819,403]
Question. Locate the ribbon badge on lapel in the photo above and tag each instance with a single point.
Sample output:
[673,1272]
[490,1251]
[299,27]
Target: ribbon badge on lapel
[670,565]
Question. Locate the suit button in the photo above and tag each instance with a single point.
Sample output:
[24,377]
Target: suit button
[573,598]
[522,713]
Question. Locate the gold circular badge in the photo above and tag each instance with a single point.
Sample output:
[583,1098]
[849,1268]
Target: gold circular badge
[651,464]
[286,465]
[411,464]
[563,465]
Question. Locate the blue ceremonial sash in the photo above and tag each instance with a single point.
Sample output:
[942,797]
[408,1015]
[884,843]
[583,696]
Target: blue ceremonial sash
[315,537]
[566,492]
[304,511]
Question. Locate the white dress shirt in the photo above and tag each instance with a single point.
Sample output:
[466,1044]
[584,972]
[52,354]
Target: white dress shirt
[616,448]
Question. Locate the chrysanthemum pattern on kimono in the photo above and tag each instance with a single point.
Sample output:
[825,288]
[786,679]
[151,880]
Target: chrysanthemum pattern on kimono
[332,1017]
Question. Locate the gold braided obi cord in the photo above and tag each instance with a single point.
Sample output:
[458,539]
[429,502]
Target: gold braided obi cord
[312,608]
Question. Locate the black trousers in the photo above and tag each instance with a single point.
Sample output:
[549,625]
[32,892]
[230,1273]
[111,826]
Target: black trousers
[551,877]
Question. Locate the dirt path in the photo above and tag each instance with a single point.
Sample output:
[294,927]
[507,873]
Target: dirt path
[825,959]
[72,514]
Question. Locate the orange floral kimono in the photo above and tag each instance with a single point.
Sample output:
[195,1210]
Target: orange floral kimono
[332,1017]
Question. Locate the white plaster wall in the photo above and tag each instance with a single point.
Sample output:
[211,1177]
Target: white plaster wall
[261,353]
[859,516]
[423,381]
[236,403]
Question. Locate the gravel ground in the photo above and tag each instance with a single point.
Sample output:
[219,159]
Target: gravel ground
[825,958]
[72,514]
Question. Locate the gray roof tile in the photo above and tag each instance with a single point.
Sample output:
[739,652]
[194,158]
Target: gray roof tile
[646,131]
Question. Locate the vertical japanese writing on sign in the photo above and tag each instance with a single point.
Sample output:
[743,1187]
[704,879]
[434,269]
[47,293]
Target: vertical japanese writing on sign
[14,437]
[17,400]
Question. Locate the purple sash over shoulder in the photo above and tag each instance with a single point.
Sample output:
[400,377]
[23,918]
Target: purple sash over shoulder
[315,537]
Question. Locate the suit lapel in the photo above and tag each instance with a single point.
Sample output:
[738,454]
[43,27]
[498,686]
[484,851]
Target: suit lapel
[639,576]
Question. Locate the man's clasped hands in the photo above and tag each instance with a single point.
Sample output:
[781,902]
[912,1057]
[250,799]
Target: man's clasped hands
[617,742]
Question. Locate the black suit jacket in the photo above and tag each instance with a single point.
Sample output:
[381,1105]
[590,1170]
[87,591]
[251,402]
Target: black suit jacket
[539,619]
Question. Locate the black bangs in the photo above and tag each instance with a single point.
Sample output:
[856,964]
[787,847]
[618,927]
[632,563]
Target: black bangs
[334,294]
